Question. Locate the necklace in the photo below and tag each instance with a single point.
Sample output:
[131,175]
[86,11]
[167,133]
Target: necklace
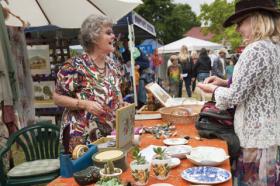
[101,70]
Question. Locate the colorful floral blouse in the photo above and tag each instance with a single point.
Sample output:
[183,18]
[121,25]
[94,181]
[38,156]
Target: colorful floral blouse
[80,78]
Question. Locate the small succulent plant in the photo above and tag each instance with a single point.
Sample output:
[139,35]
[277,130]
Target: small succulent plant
[109,167]
[159,153]
[136,155]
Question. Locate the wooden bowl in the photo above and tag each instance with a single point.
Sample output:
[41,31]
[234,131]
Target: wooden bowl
[183,114]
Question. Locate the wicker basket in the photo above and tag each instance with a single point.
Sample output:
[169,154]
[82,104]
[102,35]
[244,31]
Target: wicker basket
[172,114]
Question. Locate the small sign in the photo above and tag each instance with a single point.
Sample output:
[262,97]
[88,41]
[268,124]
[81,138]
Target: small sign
[125,117]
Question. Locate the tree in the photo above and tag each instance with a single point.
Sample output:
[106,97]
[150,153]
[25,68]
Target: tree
[179,21]
[213,15]
[170,20]
[278,3]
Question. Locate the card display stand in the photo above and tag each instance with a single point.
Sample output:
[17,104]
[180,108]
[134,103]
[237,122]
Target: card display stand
[59,52]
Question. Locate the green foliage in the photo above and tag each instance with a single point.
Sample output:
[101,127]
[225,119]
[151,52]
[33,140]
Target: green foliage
[137,156]
[278,3]
[182,18]
[159,153]
[170,20]
[108,181]
[213,15]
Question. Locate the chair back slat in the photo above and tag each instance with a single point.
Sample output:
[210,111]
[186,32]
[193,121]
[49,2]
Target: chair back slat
[53,145]
[56,142]
[21,142]
[45,134]
[35,144]
[29,145]
[40,141]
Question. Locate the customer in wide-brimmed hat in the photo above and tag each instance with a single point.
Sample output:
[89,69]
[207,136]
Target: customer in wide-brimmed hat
[255,91]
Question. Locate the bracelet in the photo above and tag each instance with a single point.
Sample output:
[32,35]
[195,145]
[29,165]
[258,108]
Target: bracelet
[213,95]
[78,104]
[215,89]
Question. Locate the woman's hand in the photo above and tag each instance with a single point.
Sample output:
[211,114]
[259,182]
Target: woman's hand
[214,80]
[93,107]
[208,88]
[124,104]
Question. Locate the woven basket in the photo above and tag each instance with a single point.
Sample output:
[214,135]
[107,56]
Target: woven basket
[183,114]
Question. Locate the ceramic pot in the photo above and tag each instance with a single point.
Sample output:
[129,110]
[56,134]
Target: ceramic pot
[162,167]
[140,173]
[116,174]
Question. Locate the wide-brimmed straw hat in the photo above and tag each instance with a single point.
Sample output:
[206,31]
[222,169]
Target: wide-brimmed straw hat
[244,7]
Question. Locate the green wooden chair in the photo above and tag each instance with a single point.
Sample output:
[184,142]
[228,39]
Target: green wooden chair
[40,144]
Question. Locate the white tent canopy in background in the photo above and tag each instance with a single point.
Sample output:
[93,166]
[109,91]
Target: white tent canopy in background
[65,13]
[191,43]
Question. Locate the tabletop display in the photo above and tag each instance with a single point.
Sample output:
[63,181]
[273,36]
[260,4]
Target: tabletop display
[176,168]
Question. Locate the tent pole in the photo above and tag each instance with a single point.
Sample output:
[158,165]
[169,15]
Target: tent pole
[131,37]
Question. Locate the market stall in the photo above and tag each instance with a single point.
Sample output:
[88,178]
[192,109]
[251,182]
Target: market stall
[175,177]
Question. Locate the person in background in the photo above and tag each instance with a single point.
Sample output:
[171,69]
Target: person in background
[230,67]
[186,65]
[223,60]
[194,57]
[174,76]
[142,64]
[156,61]
[202,67]
[255,92]
[216,65]
[88,86]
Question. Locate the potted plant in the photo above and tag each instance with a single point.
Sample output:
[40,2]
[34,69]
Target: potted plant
[140,167]
[161,164]
[109,171]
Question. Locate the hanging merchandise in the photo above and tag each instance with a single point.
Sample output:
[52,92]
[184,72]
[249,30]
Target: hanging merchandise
[7,55]
[24,106]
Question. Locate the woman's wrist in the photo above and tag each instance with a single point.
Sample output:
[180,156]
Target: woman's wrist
[80,104]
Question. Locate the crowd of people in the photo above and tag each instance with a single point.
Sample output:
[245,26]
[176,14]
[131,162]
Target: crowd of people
[188,67]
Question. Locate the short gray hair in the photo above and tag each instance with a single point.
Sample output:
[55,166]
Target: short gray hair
[91,29]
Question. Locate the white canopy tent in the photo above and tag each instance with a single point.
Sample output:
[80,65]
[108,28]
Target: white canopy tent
[191,43]
[64,13]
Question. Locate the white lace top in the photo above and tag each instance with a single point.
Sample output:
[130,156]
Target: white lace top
[255,91]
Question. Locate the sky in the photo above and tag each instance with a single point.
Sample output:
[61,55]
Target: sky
[195,4]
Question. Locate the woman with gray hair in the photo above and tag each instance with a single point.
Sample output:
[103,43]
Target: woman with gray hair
[88,86]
